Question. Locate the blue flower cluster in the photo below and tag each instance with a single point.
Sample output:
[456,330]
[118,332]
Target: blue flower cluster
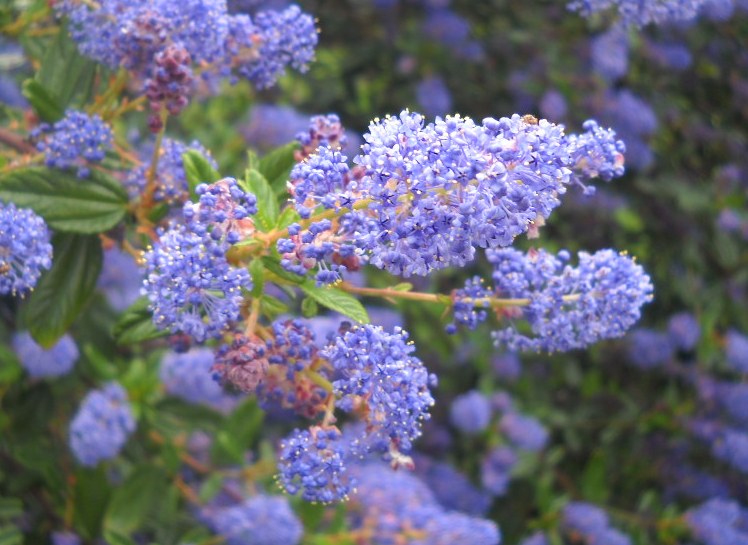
[429,194]
[190,284]
[470,413]
[171,180]
[161,41]
[75,141]
[38,362]
[24,249]
[641,12]
[569,307]
[719,522]
[589,524]
[102,425]
[188,376]
[377,369]
[259,520]
[395,505]
[120,279]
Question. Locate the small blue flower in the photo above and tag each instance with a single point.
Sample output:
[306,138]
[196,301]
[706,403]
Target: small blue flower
[38,362]
[260,520]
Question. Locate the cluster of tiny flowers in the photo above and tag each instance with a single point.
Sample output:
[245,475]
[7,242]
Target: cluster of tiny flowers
[431,193]
[102,425]
[260,520]
[465,302]
[719,522]
[170,179]
[188,376]
[241,363]
[222,211]
[589,524]
[641,12]
[496,470]
[596,153]
[324,131]
[65,538]
[191,287]
[376,369]
[160,41]
[648,349]
[395,504]
[470,413]
[314,462]
[452,488]
[120,279]
[290,353]
[736,351]
[75,141]
[24,249]
[38,362]
[569,307]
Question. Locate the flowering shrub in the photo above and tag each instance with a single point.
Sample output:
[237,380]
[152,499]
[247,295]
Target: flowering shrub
[227,321]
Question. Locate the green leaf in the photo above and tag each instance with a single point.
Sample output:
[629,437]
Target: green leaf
[136,325]
[239,432]
[115,538]
[277,165]
[10,508]
[309,308]
[210,487]
[67,203]
[287,217]
[272,307]
[92,492]
[198,170]
[135,499]
[10,535]
[257,271]
[63,291]
[267,204]
[44,104]
[336,300]
[67,74]
[10,368]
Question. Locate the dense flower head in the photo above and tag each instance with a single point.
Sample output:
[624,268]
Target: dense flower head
[684,330]
[736,351]
[65,538]
[641,12]
[496,470]
[242,363]
[169,84]
[324,131]
[634,121]
[452,489]
[648,349]
[271,125]
[596,153]
[433,95]
[589,524]
[731,447]
[569,307]
[290,352]
[507,366]
[102,425]
[285,38]
[24,249]
[314,462]
[120,278]
[525,432]
[377,370]
[222,211]
[610,53]
[718,522]
[38,362]
[188,376]
[469,305]
[470,412]
[75,141]
[260,520]
[314,179]
[171,180]
[444,26]
[191,286]
[392,504]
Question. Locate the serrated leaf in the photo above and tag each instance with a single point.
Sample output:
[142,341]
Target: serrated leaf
[277,165]
[134,499]
[337,300]
[67,74]
[272,307]
[63,291]
[136,325]
[44,104]
[267,204]
[287,217]
[198,170]
[257,271]
[309,308]
[66,202]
